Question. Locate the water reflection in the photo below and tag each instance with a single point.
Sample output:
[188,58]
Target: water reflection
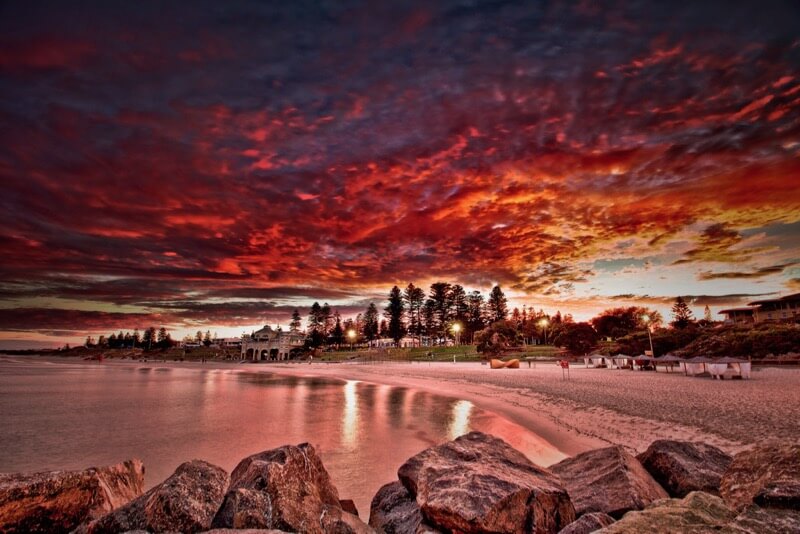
[350,415]
[54,417]
[460,422]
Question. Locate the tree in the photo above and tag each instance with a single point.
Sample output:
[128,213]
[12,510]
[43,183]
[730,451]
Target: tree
[371,326]
[619,322]
[497,305]
[149,338]
[442,306]
[681,314]
[315,320]
[198,337]
[89,342]
[294,324]
[475,314]
[162,334]
[395,313]
[577,338]
[326,319]
[498,337]
[707,315]
[337,334]
[207,338]
[429,317]
[458,299]
[415,300]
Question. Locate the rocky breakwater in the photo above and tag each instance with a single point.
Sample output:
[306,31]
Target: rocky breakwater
[474,484]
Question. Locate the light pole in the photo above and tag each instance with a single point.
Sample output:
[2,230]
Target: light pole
[646,319]
[351,335]
[543,323]
[457,332]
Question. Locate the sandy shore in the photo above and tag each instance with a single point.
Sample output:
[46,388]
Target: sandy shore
[596,407]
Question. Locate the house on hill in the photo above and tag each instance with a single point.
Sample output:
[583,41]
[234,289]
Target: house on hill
[782,309]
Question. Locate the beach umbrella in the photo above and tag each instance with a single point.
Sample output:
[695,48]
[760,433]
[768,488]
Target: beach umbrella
[669,360]
[700,359]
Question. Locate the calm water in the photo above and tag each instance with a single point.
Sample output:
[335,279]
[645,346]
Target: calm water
[72,415]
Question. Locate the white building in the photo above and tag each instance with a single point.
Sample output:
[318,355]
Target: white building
[269,344]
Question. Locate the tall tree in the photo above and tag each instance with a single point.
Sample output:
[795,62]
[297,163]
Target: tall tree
[371,327]
[415,299]
[395,313]
[162,334]
[326,318]
[429,317]
[337,334]
[681,314]
[475,314]
[458,299]
[497,304]
[294,324]
[207,338]
[440,295]
[315,320]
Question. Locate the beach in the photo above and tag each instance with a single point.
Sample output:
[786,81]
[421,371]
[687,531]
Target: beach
[597,407]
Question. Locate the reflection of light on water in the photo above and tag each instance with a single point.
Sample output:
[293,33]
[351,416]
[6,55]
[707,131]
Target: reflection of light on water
[460,423]
[350,417]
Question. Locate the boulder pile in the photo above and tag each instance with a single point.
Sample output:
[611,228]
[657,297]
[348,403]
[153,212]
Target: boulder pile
[474,484]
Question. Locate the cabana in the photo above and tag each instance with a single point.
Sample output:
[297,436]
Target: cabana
[730,366]
[695,366]
[597,360]
[644,361]
[622,361]
[668,361]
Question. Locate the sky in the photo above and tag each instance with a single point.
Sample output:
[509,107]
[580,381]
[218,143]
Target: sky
[215,167]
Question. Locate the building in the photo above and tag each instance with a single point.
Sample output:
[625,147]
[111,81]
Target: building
[739,316]
[228,342]
[269,344]
[783,309]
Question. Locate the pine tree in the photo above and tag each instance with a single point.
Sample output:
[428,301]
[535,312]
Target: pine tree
[498,305]
[395,312]
[440,294]
[315,323]
[415,299]
[681,314]
[371,327]
[337,334]
[294,324]
[475,314]
[326,318]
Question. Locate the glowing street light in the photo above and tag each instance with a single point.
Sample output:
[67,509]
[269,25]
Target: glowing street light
[543,323]
[351,334]
[457,332]
[646,320]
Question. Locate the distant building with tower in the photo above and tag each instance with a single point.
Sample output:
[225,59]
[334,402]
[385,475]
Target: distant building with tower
[269,344]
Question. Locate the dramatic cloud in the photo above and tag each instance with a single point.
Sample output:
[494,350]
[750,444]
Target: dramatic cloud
[224,164]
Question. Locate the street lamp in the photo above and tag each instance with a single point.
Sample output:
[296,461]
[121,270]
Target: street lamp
[543,323]
[457,332]
[646,320]
[351,334]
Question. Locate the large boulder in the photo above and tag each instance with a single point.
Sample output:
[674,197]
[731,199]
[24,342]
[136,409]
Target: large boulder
[286,488]
[757,520]
[697,512]
[394,511]
[767,475]
[61,500]
[185,502]
[682,467]
[479,483]
[608,480]
[588,523]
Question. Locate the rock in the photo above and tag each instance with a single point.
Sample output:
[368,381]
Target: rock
[767,475]
[286,488]
[588,523]
[608,480]
[394,511]
[62,500]
[697,512]
[244,508]
[185,502]
[349,506]
[756,520]
[478,483]
[683,466]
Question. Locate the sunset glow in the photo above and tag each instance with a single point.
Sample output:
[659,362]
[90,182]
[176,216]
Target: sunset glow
[255,158]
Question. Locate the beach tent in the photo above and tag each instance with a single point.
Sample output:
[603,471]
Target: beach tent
[643,360]
[622,360]
[739,367]
[695,366]
[669,360]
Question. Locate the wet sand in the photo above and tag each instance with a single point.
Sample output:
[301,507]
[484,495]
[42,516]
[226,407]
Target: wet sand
[596,407]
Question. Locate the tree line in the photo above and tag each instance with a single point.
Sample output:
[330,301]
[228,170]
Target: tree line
[150,338]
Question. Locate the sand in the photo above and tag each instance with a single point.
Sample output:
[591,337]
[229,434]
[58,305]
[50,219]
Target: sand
[597,407]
